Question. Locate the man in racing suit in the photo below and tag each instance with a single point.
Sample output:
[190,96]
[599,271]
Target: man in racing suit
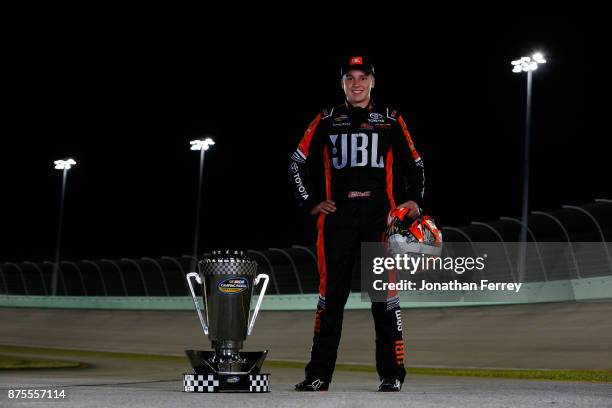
[367,164]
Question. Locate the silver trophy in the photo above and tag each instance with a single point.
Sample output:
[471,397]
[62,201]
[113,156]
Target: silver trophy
[228,281]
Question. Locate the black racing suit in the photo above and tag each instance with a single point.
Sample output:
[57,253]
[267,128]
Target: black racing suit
[367,164]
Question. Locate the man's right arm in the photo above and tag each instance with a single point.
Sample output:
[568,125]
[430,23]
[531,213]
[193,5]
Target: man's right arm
[299,175]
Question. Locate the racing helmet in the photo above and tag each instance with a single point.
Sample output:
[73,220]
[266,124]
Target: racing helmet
[406,235]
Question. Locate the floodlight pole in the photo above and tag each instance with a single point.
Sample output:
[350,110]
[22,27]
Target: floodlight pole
[202,145]
[197,221]
[525,212]
[528,65]
[55,275]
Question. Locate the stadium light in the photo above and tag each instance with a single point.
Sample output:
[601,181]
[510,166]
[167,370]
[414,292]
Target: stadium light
[64,165]
[202,145]
[528,65]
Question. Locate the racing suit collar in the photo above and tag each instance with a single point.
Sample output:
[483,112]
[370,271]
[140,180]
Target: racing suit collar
[358,114]
[350,107]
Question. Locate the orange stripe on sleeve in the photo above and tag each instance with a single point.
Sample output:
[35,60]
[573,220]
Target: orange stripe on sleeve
[415,154]
[389,178]
[304,145]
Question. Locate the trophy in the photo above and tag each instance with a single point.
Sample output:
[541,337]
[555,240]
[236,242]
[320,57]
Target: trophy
[228,281]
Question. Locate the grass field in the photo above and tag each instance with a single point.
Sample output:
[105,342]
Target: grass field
[8,362]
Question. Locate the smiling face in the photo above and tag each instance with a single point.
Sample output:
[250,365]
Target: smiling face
[357,86]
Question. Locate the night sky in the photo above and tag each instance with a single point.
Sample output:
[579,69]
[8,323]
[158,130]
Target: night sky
[125,101]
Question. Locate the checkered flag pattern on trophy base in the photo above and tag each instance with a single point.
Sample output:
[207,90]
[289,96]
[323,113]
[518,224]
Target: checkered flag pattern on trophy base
[259,383]
[200,383]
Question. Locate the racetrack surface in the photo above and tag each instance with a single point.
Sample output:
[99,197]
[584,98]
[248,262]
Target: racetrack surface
[114,382]
[564,336]
[537,336]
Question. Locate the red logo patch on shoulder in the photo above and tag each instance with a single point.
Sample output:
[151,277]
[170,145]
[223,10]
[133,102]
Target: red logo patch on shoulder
[356,61]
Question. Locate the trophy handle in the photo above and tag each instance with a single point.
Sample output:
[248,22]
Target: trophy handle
[260,298]
[195,298]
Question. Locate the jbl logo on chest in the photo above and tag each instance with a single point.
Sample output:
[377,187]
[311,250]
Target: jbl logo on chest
[363,150]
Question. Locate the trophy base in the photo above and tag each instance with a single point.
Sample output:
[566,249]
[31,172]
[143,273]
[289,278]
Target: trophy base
[213,376]
[206,383]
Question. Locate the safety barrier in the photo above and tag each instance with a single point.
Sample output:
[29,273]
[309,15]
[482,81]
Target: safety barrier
[294,270]
[535,292]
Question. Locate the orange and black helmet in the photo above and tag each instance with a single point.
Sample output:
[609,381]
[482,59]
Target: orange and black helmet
[404,234]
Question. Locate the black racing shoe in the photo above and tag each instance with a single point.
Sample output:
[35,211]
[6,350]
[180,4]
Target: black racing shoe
[390,385]
[312,384]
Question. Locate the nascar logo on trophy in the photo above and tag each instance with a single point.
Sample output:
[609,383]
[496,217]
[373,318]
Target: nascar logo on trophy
[228,281]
